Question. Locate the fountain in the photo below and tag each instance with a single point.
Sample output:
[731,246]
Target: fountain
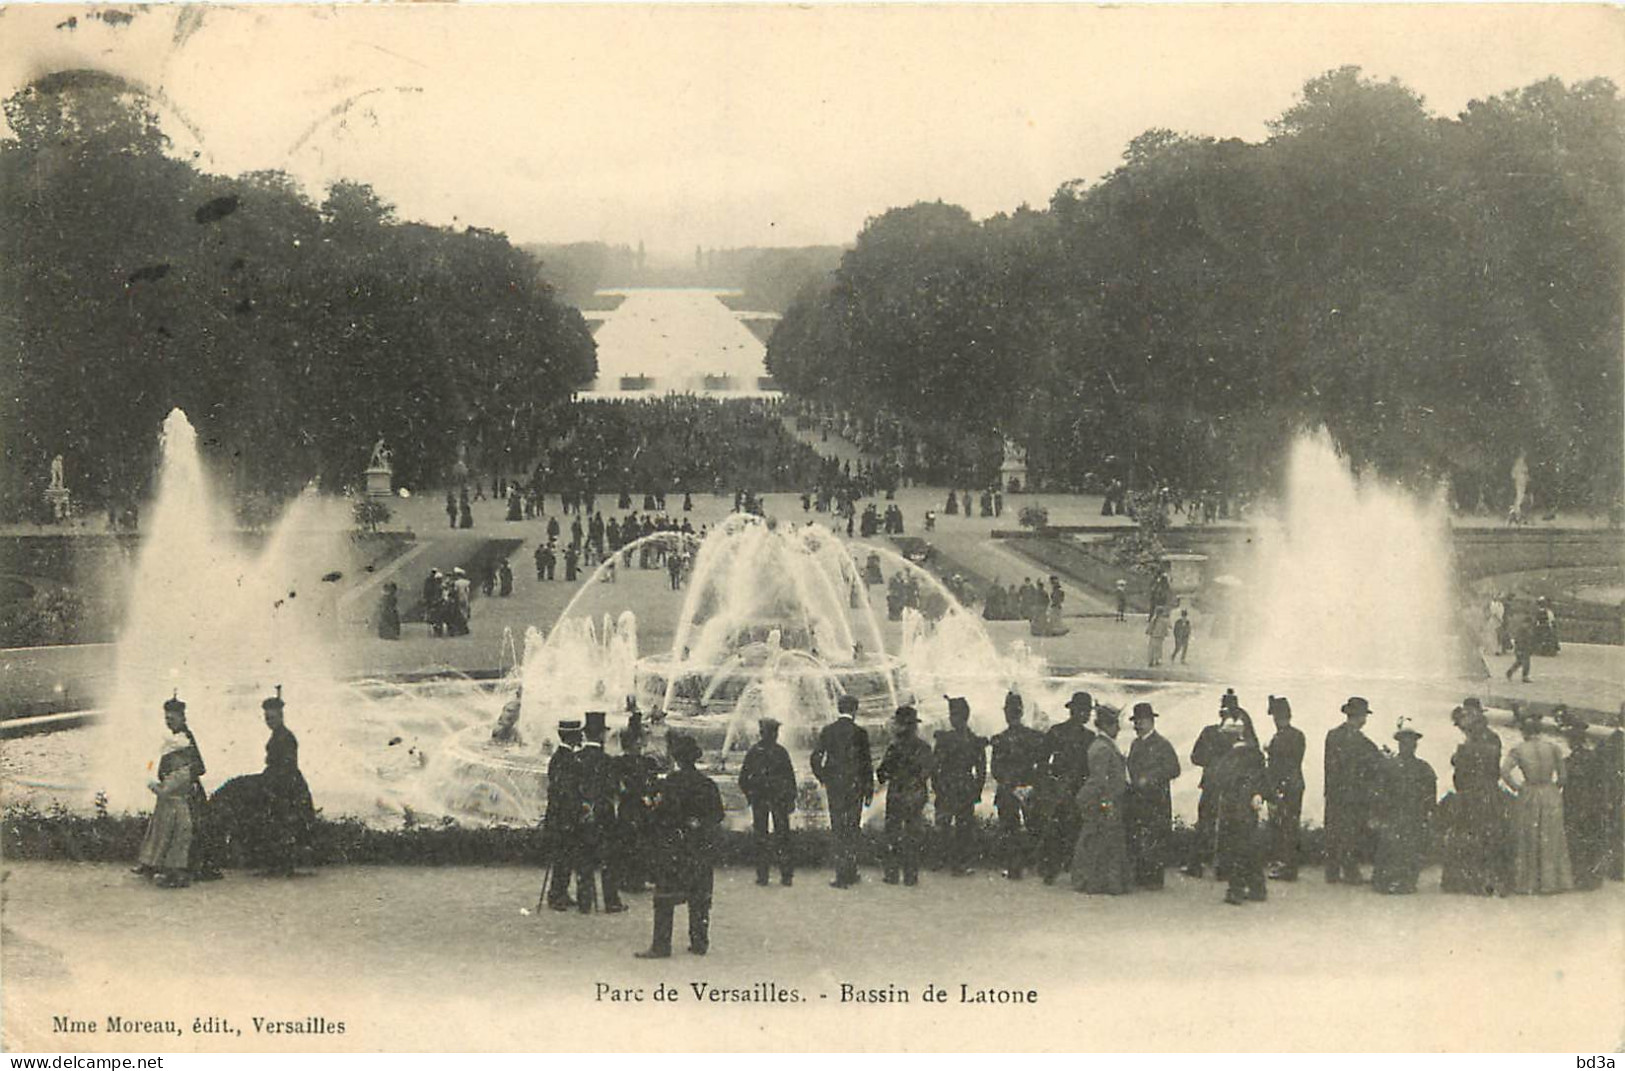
[1348,591]
[220,622]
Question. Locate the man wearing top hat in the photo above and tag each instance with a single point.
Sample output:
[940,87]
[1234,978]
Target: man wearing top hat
[562,823]
[844,765]
[1353,775]
[959,773]
[906,773]
[1410,791]
[688,813]
[1285,769]
[1066,765]
[1152,767]
[599,785]
[767,779]
[1017,754]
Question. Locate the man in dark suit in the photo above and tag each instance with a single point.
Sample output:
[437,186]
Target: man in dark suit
[688,814]
[1210,744]
[768,781]
[844,765]
[600,789]
[1067,764]
[1152,766]
[562,823]
[1018,752]
[906,773]
[959,773]
[1353,773]
[1285,779]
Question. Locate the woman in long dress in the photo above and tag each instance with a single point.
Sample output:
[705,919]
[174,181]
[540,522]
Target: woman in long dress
[166,849]
[1100,860]
[1474,815]
[1540,849]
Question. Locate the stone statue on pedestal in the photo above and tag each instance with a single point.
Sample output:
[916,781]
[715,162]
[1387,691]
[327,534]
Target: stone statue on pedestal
[1013,470]
[380,472]
[57,495]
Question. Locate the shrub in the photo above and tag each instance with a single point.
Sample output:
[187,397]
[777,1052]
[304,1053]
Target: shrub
[1034,516]
[370,514]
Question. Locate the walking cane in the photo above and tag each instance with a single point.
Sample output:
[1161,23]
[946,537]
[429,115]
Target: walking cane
[547,881]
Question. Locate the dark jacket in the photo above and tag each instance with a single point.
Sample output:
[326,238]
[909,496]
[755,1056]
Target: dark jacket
[1018,754]
[1068,760]
[1285,768]
[1353,768]
[842,761]
[767,777]
[906,769]
[959,768]
[1210,744]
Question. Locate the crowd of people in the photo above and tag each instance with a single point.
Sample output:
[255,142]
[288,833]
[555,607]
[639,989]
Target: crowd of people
[1540,818]
[676,441]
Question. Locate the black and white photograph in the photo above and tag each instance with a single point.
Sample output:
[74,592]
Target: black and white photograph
[857,528]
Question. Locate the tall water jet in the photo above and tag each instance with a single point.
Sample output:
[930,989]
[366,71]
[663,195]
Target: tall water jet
[221,625]
[1351,578]
[1520,482]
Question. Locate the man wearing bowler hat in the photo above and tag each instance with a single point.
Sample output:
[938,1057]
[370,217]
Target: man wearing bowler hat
[959,773]
[1067,764]
[906,773]
[844,765]
[1211,743]
[1353,774]
[768,781]
[1152,767]
[688,814]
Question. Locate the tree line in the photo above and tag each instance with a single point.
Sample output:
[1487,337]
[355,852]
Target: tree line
[1443,294]
[294,333]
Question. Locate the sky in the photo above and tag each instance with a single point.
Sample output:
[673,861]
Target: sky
[685,125]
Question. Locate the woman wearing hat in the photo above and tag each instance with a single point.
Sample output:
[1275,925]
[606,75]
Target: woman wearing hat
[290,814]
[1474,814]
[1410,790]
[1100,858]
[1585,803]
[1534,771]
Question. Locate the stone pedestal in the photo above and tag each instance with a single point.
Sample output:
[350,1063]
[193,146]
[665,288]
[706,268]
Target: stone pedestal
[1185,572]
[1013,470]
[60,499]
[380,483]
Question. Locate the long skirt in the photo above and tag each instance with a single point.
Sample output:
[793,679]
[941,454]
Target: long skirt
[1100,860]
[168,843]
[1540,849]
[1474,843]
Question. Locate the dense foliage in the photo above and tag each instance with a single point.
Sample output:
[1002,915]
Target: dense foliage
[1444,294]
[294,334]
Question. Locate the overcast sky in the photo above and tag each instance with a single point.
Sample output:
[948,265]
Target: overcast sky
[687,125]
